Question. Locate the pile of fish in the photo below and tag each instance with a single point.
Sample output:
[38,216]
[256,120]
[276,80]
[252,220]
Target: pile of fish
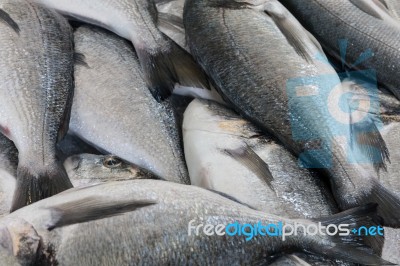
[126,123]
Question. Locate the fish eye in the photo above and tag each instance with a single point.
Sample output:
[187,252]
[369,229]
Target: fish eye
[112,162]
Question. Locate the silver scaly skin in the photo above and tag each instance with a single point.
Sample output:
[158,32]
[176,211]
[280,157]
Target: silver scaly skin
[114,111]
[84,226]
[162,61]
[364,25]
[35,94]
[211,130]
[263,52]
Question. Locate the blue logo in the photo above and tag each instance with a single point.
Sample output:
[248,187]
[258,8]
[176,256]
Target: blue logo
[345,104]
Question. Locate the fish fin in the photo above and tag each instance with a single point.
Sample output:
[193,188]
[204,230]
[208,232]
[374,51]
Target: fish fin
[5,17]
[32,187]
[352,247]
[247,157]
[159,72]
[366,138]
[170,20]
[79,59]
[376,9]
[189,73]
[296,35]
[90,209]
[382,2]
[388,204]
[172,26]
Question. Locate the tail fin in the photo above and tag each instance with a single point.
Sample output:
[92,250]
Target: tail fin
[164,69]
[388,204]
[32,187]
[352,247]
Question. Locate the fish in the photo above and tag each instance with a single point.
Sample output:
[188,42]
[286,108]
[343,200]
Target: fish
[227,154]
[85,169]
[93,226]
[114,111]
[162,61]
[370,32]
[72,145]
[291,92]
[393,6]
[8,173]
[390,180]
[37,62]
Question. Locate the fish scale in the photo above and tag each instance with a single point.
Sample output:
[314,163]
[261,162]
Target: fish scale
[256,84]
[333,20]
[127,121]
[37,70]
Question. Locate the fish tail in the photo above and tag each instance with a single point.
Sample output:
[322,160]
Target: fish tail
[350,246]
[32,187]
[388,204]
[166,67]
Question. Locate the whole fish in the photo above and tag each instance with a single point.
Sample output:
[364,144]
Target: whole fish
[84,226]
[8,172]
[282,81]
[114,111]
[162,61]
[35,94]
[372,34]
[226,153]
[84,169]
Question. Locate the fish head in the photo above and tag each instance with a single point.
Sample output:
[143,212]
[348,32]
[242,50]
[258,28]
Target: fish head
[89,168]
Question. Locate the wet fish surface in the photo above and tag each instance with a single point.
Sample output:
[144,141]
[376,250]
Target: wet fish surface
[35,95]
[393,6]
[226,153]
[162,61]
[114,111]
[372,34]
[152,206]
[288,101]
[85,169]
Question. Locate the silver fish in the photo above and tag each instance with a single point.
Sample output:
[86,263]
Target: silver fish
[85,226]
[114,111]
[35,95]
[84,169]
[390,179]
[228,154]
[291,92]
[162,61]
[372,34]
